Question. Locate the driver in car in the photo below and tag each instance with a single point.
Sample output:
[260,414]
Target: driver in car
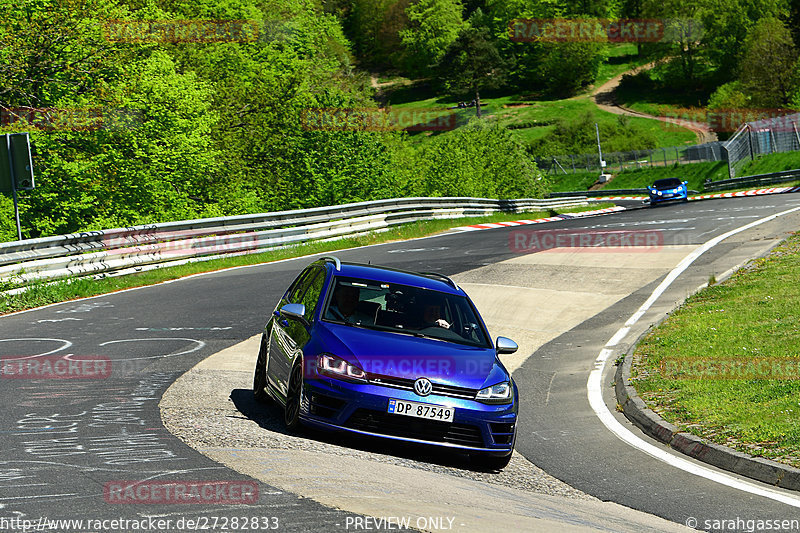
[432,315]
[344,306]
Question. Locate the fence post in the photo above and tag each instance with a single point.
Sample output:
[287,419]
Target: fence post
[774,145]
[665,156]
[677,156]
[796,135]
[572,158]
[728,157]
[750,141]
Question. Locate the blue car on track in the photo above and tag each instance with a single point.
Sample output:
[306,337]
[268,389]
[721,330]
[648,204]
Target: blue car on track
[382,352]
[668,190]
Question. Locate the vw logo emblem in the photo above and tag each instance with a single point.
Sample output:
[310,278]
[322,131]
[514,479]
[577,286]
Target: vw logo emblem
[423,386]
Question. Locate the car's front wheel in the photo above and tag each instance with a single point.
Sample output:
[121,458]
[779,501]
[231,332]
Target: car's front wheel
[292,412]
[490,462]
[260,374]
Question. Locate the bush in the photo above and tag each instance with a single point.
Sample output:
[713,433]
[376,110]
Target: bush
[577,136]
[476,160]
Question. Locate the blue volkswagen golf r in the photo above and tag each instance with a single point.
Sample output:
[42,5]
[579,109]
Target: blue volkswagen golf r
[382,352]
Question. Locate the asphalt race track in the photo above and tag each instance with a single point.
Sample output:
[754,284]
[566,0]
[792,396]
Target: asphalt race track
[66,441]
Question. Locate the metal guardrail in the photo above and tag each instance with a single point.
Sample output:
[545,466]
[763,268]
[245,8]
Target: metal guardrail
[600,193]
[755,180]
[772,178]
[114,251]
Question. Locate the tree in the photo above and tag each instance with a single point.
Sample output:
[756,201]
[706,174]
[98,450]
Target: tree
[433,25]
[767,70]
[53,48]
[374,27]
[567,67]
[471,64]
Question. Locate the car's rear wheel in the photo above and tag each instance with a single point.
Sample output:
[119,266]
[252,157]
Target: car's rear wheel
[490,462]
[260,374]
[292,412]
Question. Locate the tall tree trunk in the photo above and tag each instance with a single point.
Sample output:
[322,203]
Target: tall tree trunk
[477,103]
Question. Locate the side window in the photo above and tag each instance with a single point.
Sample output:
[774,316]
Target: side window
[310,298]
[299,286]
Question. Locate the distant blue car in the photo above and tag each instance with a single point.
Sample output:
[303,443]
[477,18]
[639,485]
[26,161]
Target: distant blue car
[668,190]
[388,353]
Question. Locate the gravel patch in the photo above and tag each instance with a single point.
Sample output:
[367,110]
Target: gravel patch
[216,409]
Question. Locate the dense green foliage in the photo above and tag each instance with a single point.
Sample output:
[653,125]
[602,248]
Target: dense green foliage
[161,128]
[139,123]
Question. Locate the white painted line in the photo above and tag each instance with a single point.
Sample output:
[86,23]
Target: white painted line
[198,346]
[595,391]
[65,344]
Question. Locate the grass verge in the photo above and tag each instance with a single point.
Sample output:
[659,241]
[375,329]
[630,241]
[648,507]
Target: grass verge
[725,366]
[41,293]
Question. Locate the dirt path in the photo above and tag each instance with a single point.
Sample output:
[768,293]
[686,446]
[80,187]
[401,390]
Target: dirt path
[605,99]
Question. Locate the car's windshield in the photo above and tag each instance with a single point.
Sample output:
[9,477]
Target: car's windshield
[667,183]
[404,309]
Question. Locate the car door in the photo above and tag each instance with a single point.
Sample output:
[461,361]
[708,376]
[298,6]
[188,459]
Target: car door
[288,337]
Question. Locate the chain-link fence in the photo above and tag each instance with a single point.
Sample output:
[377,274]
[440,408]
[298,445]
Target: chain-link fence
[766,136]
[634,159]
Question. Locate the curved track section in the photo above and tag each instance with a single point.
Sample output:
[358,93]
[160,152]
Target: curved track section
[66,440]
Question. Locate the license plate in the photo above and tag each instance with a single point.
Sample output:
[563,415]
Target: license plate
[421,410]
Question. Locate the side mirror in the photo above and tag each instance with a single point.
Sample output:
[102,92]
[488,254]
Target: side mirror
[294,312]
[505,346]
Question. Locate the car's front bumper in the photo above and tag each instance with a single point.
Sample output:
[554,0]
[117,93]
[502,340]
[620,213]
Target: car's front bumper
[361,408]
[667,197]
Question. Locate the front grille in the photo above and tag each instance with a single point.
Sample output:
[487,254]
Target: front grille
[415,428]
[438,388]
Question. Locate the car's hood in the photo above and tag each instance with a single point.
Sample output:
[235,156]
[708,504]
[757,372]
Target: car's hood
[405,356]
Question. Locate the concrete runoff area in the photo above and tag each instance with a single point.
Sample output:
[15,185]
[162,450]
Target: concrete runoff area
[532,298]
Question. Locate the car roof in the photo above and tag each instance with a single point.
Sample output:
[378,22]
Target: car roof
[433,281]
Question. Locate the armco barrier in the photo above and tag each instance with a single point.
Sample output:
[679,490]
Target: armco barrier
[104,252]
[599,193]
[756,180]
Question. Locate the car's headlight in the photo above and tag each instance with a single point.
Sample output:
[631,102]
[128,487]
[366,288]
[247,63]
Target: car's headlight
[339,368]
[500,393]
[660,193]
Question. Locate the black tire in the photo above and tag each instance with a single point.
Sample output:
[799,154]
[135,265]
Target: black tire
[291,415]
[260,375]
[491,462]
